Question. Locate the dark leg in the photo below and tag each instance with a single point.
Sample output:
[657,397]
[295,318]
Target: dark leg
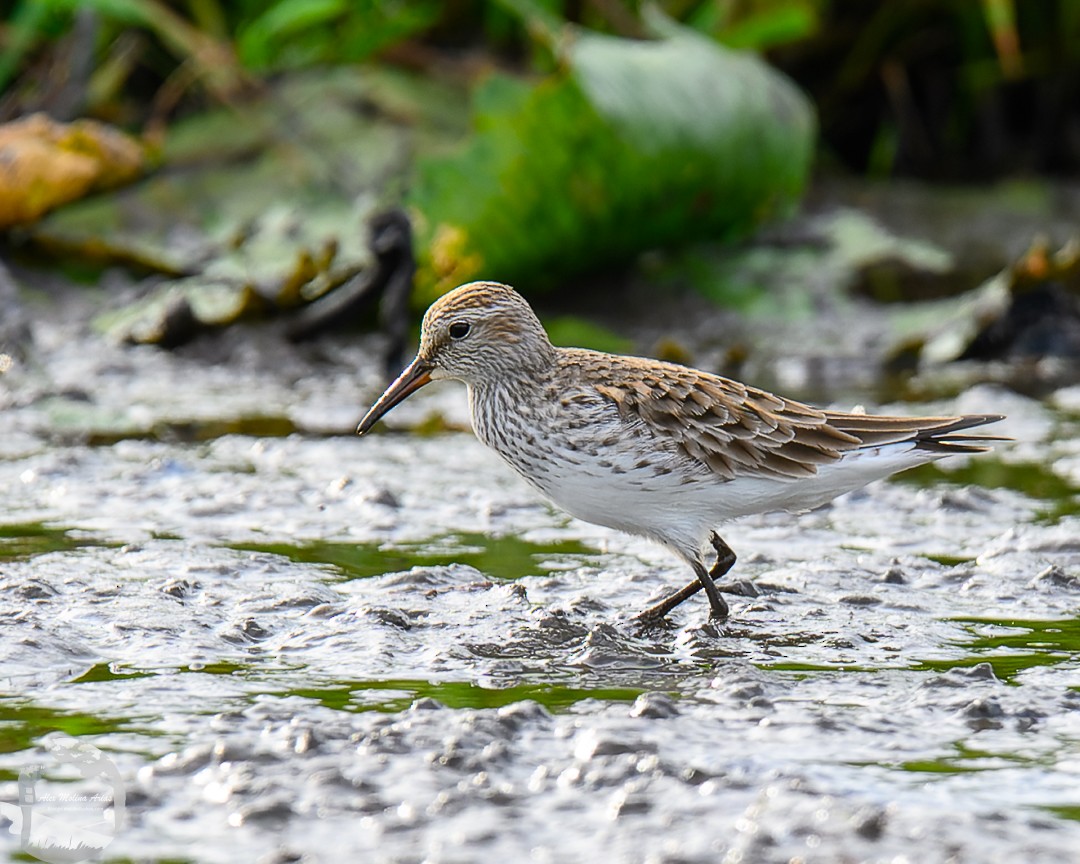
[725,559]
[656,612]
[716,602]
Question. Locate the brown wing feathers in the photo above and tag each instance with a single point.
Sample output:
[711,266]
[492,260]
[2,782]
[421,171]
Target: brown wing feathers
[739,430]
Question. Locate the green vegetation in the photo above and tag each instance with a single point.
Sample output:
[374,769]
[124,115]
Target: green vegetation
[26,540]
[397,695]
[506,557]
[1012,646]
[22,723]
[904,86]
[642,145]
[1035,480]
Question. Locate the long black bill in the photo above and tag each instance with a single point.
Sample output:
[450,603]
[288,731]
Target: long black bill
[408,382]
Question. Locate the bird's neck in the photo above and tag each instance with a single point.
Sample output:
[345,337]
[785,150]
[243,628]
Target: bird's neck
[525,373]
[498,404]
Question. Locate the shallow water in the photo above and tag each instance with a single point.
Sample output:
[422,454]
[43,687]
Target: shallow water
[293,642]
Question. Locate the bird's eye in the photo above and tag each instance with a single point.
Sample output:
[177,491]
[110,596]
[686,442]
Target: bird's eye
[459,329]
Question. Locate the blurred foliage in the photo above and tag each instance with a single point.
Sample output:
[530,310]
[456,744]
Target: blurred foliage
[572,330]
[1039,311]
[1022,326]
[264,207]
[108,56]
[592,139]
[293,33]
[643,144]
[626,145]
[44,164]
[956,88]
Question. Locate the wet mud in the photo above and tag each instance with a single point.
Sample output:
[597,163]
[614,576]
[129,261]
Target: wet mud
[299,645]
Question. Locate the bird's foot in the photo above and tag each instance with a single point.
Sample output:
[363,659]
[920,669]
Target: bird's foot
[718,611]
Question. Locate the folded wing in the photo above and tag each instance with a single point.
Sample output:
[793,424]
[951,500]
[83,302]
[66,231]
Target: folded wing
[736,430]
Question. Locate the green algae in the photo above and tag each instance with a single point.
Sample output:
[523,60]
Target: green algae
[390,695]
[1060,496]
[23,721]
[1012,646]
[28,539]
[964,759]
[506,557]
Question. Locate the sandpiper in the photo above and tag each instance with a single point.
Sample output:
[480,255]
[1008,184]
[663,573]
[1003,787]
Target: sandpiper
[649,447]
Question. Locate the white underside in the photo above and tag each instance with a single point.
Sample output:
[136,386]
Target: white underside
[682,514]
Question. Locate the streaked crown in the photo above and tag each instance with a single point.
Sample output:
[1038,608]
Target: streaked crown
[481,332]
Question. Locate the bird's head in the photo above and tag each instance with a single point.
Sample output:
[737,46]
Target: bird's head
[480,333]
